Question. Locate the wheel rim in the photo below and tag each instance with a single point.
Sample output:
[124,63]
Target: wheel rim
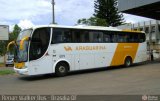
[128,63]
[62,69]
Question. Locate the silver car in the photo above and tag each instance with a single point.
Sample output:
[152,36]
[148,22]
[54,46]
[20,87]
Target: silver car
[10,60]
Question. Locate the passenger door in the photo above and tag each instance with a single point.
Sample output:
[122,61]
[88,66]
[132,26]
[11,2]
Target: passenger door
[39,58]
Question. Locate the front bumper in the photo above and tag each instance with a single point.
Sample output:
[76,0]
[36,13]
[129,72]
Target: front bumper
[21,71]
[9,63]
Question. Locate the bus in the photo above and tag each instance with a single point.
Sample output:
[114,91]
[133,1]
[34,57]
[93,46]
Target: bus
[61,49]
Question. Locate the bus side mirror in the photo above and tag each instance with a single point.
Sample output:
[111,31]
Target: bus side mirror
[29,38]
[12,42]
[22,42]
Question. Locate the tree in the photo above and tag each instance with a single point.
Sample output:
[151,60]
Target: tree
[92,21]
[12,36]
[3,45]
[15,33]
[107,9]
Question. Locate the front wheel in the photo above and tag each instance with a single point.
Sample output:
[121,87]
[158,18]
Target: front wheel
[128,62]
[61,69]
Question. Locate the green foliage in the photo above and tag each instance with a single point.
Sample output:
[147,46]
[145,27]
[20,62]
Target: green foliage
[15,33]
[12,36]
[106,14]
[6,72]
[3,45]
[92,21]
[107,9]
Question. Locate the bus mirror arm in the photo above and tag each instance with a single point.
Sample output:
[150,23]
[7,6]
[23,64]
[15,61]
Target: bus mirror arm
[10,43]
[29,38]
[22,42]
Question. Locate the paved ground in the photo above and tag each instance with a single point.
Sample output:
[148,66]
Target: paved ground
[138,79]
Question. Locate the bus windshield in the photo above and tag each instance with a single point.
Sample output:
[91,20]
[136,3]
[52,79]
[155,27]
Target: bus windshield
[24,33]
[22,55]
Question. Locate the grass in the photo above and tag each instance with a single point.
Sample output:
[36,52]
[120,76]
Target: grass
[6,72]
[1,64]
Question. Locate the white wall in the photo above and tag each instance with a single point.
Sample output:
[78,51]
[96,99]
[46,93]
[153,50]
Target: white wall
[1,59]
[4,32]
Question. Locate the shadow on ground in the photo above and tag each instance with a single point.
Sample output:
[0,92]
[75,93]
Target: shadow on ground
[88,71]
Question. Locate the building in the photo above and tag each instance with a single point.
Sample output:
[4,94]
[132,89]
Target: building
[4,32]
[152,30]
[145,8]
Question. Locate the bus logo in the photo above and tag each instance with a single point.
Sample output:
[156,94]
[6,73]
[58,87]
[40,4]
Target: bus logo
[67,48]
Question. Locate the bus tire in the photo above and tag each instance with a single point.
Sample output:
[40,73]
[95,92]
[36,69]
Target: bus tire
[128,62]
[61,69]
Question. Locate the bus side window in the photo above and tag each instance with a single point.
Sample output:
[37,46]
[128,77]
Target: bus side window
[136,39]
[126,37]
[76,36]
[57,36]
[131,38]
[67,36]
[114,38]
[84,37]
[141,37]
[61,36]
[107,37]
[97,36]
[120,37]
[123,37]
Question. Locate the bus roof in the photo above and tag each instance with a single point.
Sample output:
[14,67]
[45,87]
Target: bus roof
[86,27]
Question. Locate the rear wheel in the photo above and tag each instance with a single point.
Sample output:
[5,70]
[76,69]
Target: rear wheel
[128,62]
[61,69]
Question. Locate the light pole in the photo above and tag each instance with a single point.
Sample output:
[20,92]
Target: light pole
[53,16]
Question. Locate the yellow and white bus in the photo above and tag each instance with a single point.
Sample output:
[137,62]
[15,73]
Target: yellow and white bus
[61,49]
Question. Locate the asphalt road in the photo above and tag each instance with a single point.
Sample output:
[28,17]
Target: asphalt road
[135,80]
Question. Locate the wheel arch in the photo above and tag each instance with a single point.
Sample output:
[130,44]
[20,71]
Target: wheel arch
[127,56]
[61,61]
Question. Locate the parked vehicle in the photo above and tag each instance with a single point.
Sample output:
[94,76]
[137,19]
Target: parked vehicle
[10,60]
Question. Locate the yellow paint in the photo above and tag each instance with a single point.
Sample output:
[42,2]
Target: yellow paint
[19,65]
[22,42]
[12,42]
[123,50]
[68,48]
[127,30]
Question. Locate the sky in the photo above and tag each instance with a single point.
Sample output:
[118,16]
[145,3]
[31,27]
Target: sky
[28,13]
